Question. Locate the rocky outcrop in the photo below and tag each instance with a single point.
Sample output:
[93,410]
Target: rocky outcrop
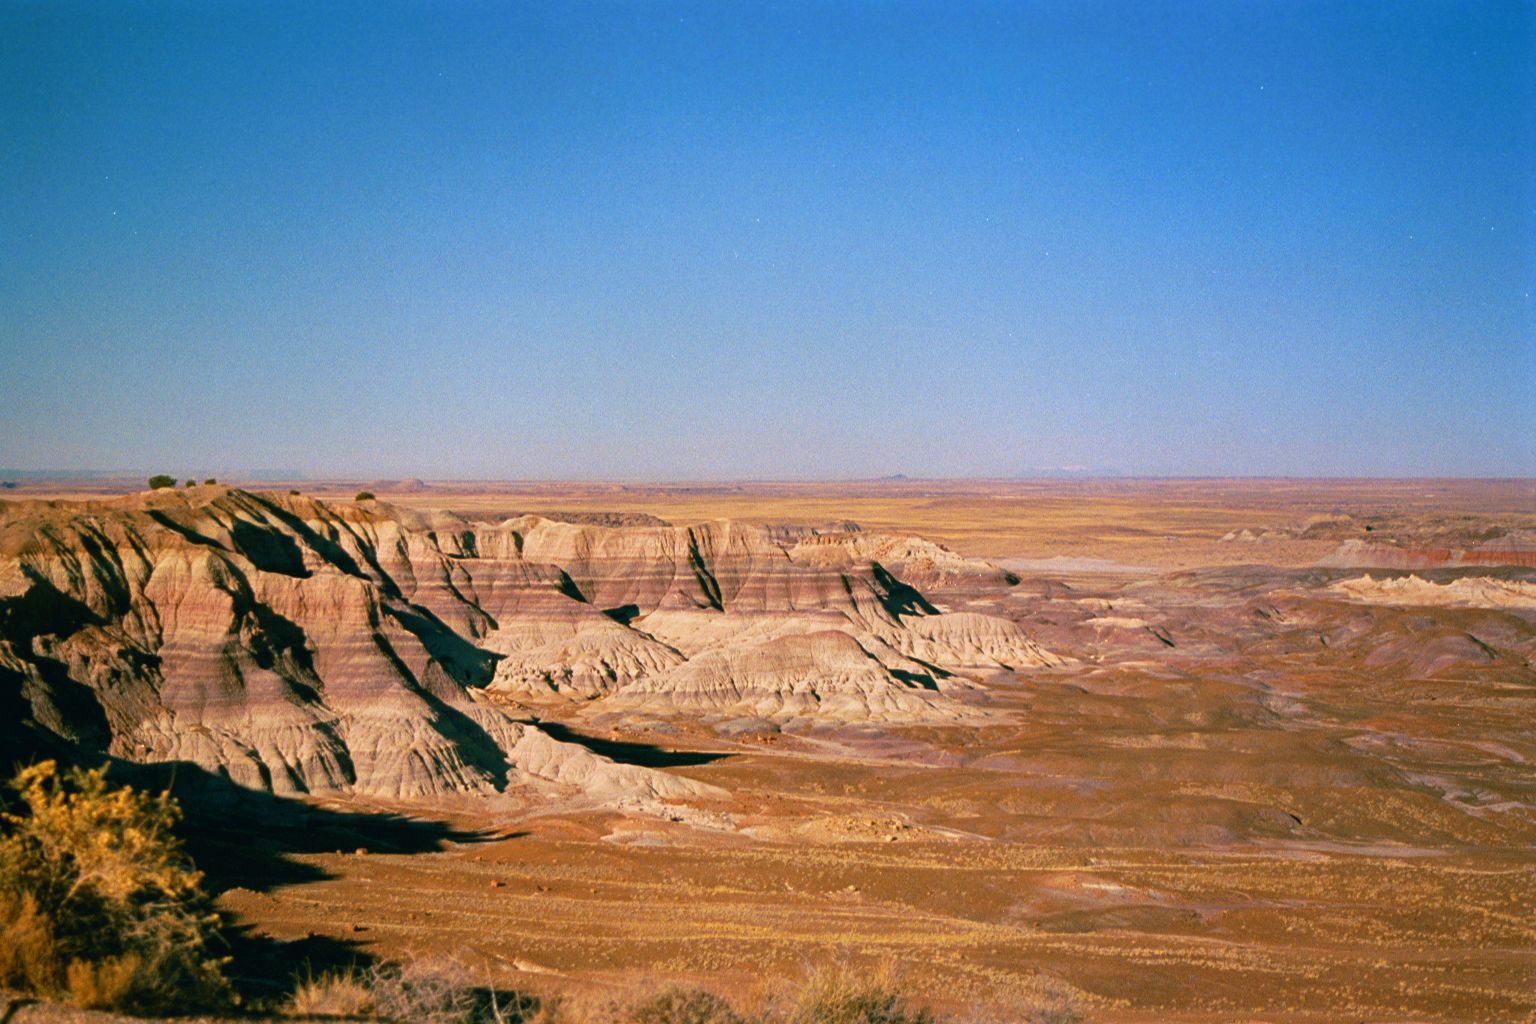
[825,674]
[1512,548]
[704,608]
[1466,592]
[300,646]
[920,563]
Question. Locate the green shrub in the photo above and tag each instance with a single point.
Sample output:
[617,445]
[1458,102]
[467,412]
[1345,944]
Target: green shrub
[210,480]
[99,904]
[364,496]
[160,480]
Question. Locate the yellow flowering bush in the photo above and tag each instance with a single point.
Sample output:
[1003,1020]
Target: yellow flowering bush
[99,903]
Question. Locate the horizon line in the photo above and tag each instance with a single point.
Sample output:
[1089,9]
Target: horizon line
[104,477]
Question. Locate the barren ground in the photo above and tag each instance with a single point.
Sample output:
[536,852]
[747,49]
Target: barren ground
[1251,797]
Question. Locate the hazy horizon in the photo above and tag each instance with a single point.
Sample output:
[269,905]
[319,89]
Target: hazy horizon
[255,480]
[719,242]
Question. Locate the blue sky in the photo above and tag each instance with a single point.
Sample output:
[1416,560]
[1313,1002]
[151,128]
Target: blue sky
[652,240]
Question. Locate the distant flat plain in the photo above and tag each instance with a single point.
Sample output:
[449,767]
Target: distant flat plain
[1163,523]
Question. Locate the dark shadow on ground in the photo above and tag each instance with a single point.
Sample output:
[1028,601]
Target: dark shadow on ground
[265,970]
[643,754]
[244,837]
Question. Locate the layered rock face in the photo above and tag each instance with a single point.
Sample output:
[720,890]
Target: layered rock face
[1467,592]
[717,599]
[1513,548]
[299,646]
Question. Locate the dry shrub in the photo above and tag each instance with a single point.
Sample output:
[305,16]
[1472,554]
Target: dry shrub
[672,1004]
[29,956]
[99,904]
[339,994]
[1056,1009]
[430,991]
[440,991]
[427,991]
[684,1006]
[837,995]
[1051,1003]
[843,995]
[103,984]
[584,1008]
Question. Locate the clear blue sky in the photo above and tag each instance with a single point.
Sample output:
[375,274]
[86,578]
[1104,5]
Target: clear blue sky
[742,240]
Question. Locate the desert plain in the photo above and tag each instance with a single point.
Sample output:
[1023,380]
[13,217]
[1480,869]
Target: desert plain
[1162,750]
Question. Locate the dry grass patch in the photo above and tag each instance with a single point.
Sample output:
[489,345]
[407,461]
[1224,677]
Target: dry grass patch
[336,994]
[842,995]
[685,1006]
[435,990]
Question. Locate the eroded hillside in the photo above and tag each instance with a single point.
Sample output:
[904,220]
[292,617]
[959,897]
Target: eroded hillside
[301,646]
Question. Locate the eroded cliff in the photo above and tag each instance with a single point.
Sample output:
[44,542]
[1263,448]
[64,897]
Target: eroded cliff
[300,646]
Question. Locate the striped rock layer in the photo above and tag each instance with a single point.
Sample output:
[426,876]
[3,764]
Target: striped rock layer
[300,646]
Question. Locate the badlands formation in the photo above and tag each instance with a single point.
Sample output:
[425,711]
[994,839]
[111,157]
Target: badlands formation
[1194,751]
[296,646]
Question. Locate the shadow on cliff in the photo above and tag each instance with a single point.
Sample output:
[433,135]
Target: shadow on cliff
[642,754]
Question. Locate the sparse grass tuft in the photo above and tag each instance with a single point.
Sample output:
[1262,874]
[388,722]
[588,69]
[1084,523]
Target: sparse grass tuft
[337,994]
